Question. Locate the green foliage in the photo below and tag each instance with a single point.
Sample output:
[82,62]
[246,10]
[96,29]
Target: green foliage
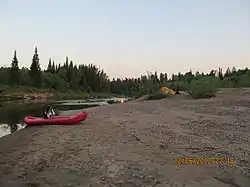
[51,67]
[35,70]
[54,82]
[14,76]
[205,87]
[243,81]
[65,78]
[69,80]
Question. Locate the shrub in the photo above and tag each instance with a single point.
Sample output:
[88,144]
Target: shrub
[228,83]
[205,87]
[178,85]
[243,81]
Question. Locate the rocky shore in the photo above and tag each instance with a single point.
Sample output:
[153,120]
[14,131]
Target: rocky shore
[136,144]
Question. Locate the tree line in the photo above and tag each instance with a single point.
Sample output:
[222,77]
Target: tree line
[89,78]
[64,77]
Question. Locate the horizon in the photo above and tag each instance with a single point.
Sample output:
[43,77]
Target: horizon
[150,72]
[162,36]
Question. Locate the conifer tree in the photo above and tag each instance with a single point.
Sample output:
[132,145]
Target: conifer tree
[57,68]
[53,67]
[234,72]
[228,72]
[165,77]
[49,68]
[14,71]
[220,74]
[161,77]
[66,64]
[35,69]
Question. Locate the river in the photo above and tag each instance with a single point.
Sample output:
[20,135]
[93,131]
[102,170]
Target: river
[12,114]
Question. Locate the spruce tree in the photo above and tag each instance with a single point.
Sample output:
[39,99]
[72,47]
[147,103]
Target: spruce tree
[66,64]
[57,68]
[71,65]
[35,69]
[161,78]
[156,79]
[14,71]
[179,76]
[173,78]
[53,67]
[49,68]
[228,72]
[220,74]
[70,72]
[165,77]
[234,72]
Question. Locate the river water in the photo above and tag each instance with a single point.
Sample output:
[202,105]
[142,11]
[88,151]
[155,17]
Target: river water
[12,114]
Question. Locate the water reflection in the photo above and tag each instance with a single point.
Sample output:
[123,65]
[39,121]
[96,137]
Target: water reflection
[12,116]
[10,128]
[13,127]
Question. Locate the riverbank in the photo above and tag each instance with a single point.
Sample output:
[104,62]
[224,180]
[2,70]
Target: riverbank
[30,94]
[135,144]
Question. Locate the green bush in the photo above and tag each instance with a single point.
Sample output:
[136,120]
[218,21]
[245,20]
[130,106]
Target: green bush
[205,87]
[243,81]
[236,81]
[228,83]
[178,85]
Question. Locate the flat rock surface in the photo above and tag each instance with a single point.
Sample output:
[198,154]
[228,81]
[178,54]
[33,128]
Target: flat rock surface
[137,144]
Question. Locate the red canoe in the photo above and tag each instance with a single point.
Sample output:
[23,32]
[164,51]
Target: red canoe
[56,120]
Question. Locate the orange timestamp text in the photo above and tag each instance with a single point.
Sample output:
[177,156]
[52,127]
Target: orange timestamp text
[204,160]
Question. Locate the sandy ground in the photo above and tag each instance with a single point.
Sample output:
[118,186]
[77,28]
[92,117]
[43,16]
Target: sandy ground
[136,144]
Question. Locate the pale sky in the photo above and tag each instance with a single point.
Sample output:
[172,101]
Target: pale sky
[128,37]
